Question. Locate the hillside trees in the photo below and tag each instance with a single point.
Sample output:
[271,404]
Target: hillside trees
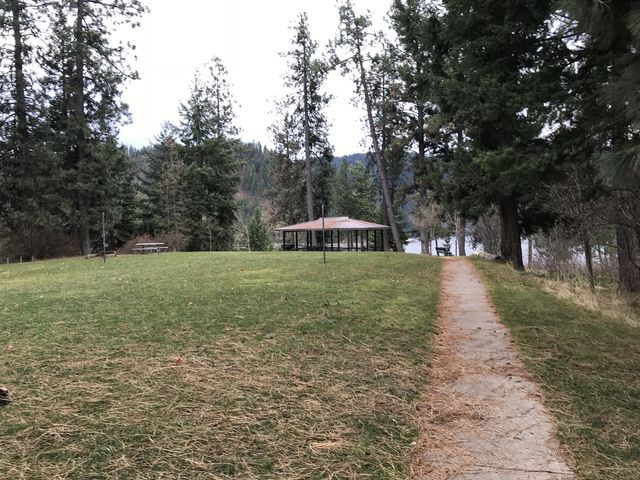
[355,192]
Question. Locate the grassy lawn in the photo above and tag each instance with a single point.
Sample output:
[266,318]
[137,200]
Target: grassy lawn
[588,365]
[215,365]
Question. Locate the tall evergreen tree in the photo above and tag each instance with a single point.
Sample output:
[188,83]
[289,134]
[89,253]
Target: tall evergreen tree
[287,192]
[354,39]
[85,71]
[207,132]
[306,103]
[165,187]
[607,38]
[502,73]
[28,203]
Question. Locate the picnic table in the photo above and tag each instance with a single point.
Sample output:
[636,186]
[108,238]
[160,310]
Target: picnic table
[149,247]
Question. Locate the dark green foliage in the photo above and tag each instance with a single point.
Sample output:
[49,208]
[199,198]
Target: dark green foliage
[212,185]
[61,166]
[211,161]
[260,238]
[287,191]
[256,165]
[354,41]
[164,185]
[609,67]
[301,136]
[499,78]
[30,197]
[355,193]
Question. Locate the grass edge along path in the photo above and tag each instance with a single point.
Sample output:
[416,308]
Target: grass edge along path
[224,365]
[588,366]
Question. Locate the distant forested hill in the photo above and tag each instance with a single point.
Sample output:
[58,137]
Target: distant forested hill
[351,159]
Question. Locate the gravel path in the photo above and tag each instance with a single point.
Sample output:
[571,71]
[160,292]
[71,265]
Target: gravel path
[483,416]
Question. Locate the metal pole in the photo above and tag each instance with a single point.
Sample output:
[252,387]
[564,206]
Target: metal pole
[104,241]
[324,244]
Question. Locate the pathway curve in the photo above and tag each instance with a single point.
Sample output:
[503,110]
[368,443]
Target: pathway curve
[483,416]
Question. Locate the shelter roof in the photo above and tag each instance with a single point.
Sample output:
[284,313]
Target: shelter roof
[333,223]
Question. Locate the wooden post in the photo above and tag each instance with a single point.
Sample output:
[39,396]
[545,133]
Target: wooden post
[324,243]
[385,241]
[332,240]
[338,233]
[296,241]
[104,241]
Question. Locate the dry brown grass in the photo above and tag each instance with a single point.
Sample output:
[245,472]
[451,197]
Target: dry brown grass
[608,301]
[236,408]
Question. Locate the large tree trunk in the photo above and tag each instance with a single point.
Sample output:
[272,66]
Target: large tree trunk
[357,36]
[79,124]
[460,235]
[510,244]
[20,81]
[307,145]
[83,227]
[425,240]
[588,255]
[628,266]
[377,152]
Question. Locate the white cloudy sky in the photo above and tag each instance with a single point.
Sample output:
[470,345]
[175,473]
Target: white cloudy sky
[177,37]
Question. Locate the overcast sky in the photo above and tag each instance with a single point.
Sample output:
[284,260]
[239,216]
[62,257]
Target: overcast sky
[176,38]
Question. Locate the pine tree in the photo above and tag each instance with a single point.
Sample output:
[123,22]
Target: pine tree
[85,71]
[306,104]
[28,202]
[287,192]
[608,119]
[206,131]
[259,234]
[165,187]
[502,75]
[355,192]
[354,38]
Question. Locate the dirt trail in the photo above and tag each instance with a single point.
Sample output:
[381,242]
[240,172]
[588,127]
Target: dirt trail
[483,417]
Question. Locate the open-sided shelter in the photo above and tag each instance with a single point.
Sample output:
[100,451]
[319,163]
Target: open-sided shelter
[340,233]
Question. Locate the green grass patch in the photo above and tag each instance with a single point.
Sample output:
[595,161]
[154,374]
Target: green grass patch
[588,364]
[214,365]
